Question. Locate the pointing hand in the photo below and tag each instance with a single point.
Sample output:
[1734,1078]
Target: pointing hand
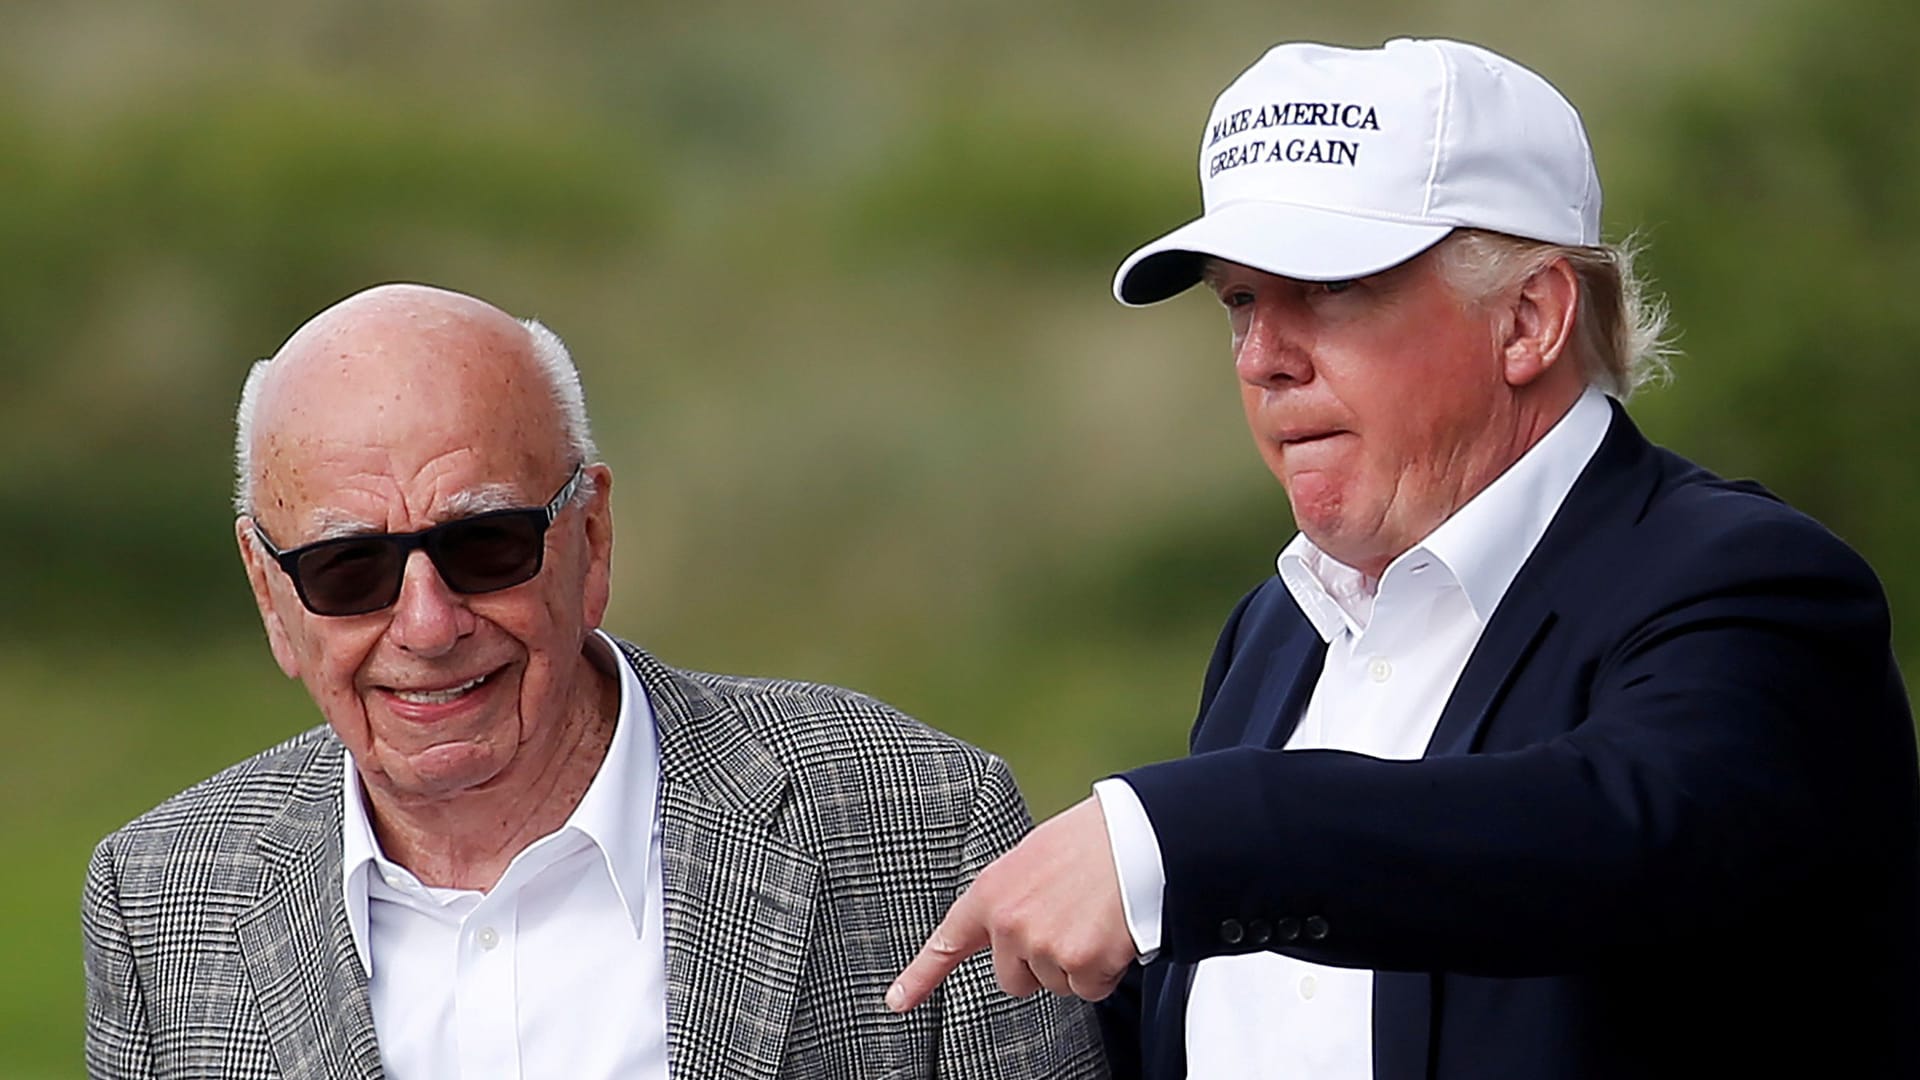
[1050,911]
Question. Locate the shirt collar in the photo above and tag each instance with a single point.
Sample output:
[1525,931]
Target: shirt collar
[1327,591]
[617,813]
[1483,544]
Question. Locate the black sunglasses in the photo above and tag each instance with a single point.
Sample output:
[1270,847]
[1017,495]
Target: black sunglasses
[352,575]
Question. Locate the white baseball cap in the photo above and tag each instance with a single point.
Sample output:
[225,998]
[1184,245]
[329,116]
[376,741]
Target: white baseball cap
[1323,163]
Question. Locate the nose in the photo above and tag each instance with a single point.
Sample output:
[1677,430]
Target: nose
[429,618]
[1269,352]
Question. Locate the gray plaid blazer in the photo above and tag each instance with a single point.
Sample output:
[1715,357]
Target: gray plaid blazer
[811,839]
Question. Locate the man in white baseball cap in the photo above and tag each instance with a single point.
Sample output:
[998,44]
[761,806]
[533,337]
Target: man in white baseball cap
[1542,752]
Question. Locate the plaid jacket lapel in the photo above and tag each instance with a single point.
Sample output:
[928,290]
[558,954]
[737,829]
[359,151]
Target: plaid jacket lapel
[298,951]
[739,900]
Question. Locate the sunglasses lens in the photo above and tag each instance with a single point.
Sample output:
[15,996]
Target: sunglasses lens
[492,551]
[348,577]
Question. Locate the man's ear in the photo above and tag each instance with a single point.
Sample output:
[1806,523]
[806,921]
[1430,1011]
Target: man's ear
[1539,331]
[259,571]
[598,516]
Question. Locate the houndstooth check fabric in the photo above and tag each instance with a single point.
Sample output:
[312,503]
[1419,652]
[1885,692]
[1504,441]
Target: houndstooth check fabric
[811,840]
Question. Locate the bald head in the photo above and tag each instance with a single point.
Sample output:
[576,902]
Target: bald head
[398,320]
[403,370]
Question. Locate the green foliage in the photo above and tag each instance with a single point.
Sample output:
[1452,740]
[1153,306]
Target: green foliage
[1005,184]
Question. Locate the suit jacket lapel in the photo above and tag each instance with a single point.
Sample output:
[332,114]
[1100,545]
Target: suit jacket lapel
[1291,675]
[739,900]
[1516,628]
[297,949]
[1263,710]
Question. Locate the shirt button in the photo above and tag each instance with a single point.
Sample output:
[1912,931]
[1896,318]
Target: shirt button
[488,937]
[394,880]
[1309,986]
[1379,670]
[1232,932]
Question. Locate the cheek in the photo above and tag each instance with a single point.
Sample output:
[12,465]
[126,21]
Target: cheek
[1250,408]
[332,661]
[1453,414]
[1259,426]
[543,684]
[546,628]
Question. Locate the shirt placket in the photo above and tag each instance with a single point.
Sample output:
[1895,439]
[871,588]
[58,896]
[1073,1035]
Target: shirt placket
[485,1018]
[1381,656]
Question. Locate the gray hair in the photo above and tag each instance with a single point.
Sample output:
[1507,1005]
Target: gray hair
[1620,326]
[550,355]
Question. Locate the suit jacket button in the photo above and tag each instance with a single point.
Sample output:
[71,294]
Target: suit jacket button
[1287,930]
[1316,928]
[1232,932]
[1259,931]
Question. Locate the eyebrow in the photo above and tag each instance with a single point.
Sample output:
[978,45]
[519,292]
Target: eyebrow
[482,499]
[333,524]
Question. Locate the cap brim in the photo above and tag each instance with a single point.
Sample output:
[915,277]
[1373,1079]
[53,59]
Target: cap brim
[1280,238]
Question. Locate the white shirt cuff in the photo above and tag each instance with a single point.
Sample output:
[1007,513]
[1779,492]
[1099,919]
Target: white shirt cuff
[1136,859]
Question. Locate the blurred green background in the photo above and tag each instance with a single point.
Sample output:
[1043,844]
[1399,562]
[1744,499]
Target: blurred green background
[836,276]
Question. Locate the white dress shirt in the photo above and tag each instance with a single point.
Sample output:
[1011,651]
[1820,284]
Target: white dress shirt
[1394,652]
[560,968]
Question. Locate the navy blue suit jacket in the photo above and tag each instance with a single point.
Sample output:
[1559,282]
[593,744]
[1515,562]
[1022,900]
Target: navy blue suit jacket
[1668,823]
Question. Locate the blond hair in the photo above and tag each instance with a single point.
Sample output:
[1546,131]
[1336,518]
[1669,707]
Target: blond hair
[1620,326]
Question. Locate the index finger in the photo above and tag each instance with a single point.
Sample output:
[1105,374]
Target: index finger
[961,934]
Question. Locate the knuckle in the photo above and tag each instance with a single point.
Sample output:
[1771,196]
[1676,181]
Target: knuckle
[1082,954]
[1091,989]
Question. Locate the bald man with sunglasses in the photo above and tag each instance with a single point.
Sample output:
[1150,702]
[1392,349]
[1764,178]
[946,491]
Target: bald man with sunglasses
[519,846]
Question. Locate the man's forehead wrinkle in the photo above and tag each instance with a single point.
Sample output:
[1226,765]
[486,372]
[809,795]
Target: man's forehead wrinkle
[330,495]
[354,504]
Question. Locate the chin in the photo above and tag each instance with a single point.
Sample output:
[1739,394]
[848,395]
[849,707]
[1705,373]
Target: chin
[452,767]
[1324,525]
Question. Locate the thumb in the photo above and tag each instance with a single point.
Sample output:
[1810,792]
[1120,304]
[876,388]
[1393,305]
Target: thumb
[961,934]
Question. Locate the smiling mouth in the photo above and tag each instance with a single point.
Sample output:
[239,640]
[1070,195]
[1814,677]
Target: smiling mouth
[441,696]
